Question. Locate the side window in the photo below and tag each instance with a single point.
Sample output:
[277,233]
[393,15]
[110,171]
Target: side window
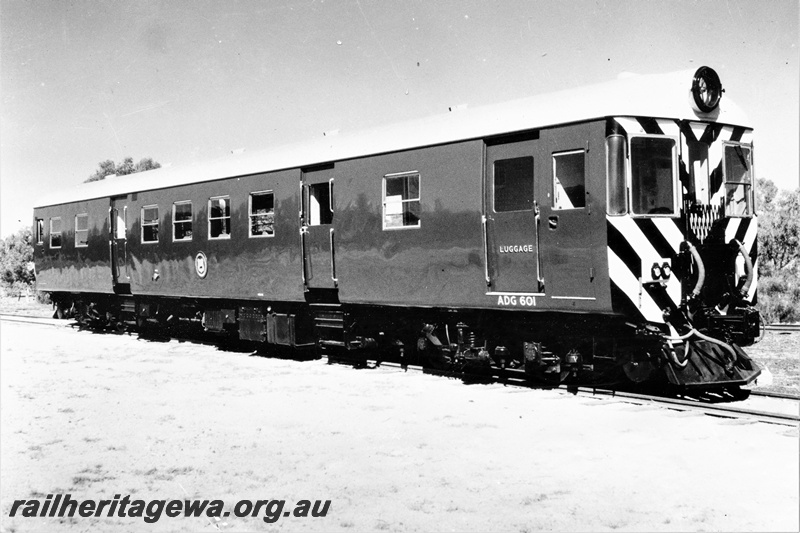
[617,187]
[569,180]
[401,206]
[738,172]
[219,217]
[262,214]
[81,230]
[39,231]
[150,223]
[182,221]
[320,210]
[513,184]
[55,232]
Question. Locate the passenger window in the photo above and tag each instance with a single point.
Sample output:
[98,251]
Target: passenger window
[569,180]
[653,163]
[39,231]
[401,205]
[513,184]
[81,230]
[182,221]
[262,214]
[219,218]
[738,180]
[320,210]
[150,224]
[55,232]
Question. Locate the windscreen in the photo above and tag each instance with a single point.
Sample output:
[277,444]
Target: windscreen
[653,175]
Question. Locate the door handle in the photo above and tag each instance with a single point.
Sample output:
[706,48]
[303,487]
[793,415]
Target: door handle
[553,221]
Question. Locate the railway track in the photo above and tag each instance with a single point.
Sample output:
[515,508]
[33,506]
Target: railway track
[784,327]
[761,406]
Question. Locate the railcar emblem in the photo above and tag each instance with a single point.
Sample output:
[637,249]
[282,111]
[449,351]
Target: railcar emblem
[201,264]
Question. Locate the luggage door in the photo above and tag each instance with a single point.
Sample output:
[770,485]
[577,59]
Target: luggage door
[316,231]
[511,218]
[119,218]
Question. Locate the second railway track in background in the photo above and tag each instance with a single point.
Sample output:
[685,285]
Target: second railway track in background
[772,407]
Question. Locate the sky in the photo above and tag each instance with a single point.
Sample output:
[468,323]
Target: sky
[184,81]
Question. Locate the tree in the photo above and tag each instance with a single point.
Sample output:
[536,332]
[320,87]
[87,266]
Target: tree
[16,255]
[126,166]
[779,227]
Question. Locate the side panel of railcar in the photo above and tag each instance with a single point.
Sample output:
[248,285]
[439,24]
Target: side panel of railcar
[72,253]
[408,227]
[234,238]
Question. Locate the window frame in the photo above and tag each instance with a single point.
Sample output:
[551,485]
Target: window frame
[677,189]
[60,234]
[190,220]
[251,215]
[749,186]
[86,216]
[553,157]
[143,225]
[229,217]
[418,199]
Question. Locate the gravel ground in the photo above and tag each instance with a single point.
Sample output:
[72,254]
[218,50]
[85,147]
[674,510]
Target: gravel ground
[97,415]
[778,353]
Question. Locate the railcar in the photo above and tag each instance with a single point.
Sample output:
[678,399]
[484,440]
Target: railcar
[598,234]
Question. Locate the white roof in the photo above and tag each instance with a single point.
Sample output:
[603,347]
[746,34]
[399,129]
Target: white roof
[656,95]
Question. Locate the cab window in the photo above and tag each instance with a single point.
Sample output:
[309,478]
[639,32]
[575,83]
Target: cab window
[653,163]
[738,170]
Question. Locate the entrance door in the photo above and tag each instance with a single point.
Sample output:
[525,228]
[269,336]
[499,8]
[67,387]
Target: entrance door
[118,239]
[512,218]
[317,233]
[574,153]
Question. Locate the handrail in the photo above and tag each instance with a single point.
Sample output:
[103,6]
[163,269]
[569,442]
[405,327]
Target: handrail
[748,269]
[333,262]
[484,222]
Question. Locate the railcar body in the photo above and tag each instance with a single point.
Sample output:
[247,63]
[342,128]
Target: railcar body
[587,235]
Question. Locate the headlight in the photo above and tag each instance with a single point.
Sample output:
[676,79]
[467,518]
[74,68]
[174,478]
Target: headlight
[706,90]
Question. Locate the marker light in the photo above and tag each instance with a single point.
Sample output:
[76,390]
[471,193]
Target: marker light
[706,89]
